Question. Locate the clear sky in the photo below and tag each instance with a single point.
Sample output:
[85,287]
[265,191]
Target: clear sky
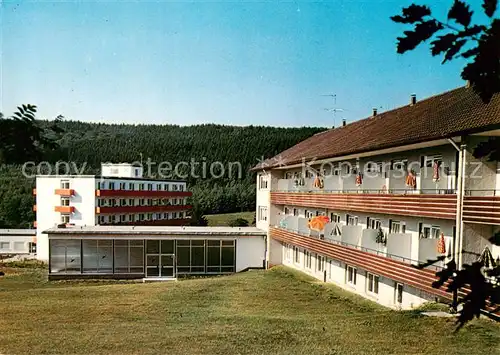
[236,63]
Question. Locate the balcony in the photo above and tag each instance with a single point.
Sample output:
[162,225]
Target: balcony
[482,209]
[140,209]
[380,262]
[404,247]
[141,193]
[65,192]
[434,206]
[64,209]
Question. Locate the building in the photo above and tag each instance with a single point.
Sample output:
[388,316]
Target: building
[119,196]
[157,252]
[17,241]
[398,188]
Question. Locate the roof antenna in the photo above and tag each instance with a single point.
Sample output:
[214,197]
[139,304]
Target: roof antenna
[334,109]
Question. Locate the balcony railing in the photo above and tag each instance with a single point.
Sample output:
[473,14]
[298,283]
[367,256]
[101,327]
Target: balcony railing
[403,247]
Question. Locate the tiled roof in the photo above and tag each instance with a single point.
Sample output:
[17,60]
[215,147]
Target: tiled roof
[445,115]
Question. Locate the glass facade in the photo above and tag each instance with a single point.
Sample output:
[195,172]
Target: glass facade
[150,258]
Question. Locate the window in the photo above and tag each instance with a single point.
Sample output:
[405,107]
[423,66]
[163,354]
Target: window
[65,218]
[174,187]
[130,217]
[174,214]
[113,218]
[136,172]
[307,259]
[288,252]
[97,256]
[65,256]
[122,186]
[150,187]
[429,160]
[429,231]
[397,227]
[165,215]
[400,164]
[111,185]
[296,254]
[262,182]
[141,217]
[295,212]
[65,184]
[123,202]
[64,201]
[181,187]
[320,263]
[262,213]
[129,256]
[181,214]
[142,202]
[373,223]
[351,220]
[150,217]
[372,283]
[398,293]
[309,214]
[166,187]
[372,167]
[174,201]
[286,211]
[101,219]
[122,218]
[131,202]
[131,186]
[334,218]
[351,274]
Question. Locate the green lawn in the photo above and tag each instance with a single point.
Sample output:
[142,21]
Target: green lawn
[260,312]
[224,219]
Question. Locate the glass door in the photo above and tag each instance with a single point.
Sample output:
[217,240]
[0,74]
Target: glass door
[152,258]
[160,258]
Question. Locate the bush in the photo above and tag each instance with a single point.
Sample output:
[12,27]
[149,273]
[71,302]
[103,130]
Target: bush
[238,222]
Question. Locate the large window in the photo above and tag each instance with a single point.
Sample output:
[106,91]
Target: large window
[320,263]
[373,223]
[221,256]
[351,220]
[429,231]
[262,213]
[396,226]
[129,256]
[372,283]
[262,182]
[307,259]
[351,274]
[296,254]
[65,256]
[97,256]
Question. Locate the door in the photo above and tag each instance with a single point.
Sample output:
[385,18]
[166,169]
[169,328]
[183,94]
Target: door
[160,259]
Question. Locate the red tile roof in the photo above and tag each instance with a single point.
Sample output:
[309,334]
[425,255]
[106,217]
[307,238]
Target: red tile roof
[452,113]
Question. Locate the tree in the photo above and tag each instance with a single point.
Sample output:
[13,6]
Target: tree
[480,45]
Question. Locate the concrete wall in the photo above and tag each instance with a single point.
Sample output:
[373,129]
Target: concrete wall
[336,274]
[15,244]
[480,173]
[476,238]
[46,200]
[250,252]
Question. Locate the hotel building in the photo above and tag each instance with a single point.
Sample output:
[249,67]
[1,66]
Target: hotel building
[398,188]
[119,196]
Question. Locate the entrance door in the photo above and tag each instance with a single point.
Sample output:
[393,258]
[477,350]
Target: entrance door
[160,259]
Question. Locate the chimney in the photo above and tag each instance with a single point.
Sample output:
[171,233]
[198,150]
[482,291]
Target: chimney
[374,111]
[413,99]
[344,122]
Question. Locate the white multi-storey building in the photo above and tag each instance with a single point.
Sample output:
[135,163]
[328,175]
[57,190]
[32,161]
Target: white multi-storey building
[397,189]
[121,195]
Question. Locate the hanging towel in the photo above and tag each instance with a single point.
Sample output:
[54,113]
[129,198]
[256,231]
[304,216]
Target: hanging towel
[411,180]
[441,245]
[435,173]
[317,182]
[359,179]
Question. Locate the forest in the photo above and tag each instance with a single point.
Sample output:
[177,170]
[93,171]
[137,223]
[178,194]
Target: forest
[89,144]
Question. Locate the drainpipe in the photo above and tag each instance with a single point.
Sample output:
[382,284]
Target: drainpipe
[458,240]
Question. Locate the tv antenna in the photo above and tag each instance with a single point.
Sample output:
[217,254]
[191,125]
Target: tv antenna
[334,109]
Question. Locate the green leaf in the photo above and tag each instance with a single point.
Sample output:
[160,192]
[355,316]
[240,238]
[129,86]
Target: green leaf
[443,43]
[490,7]
[412,14]
[461,13]
[455,48]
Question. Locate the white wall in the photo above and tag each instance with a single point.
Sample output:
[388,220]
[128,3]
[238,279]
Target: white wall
[336,273]
[263,200]
[121,170]
[46,200]
[250,252]
[15,244]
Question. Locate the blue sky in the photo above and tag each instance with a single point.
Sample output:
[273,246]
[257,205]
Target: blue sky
[223,62]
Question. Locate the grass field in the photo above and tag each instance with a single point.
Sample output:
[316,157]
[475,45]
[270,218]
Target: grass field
[224,219]
[262,312]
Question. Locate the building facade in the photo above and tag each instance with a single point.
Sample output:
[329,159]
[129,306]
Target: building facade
[120,196]
[153,252]
[363,204]
[17,241]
